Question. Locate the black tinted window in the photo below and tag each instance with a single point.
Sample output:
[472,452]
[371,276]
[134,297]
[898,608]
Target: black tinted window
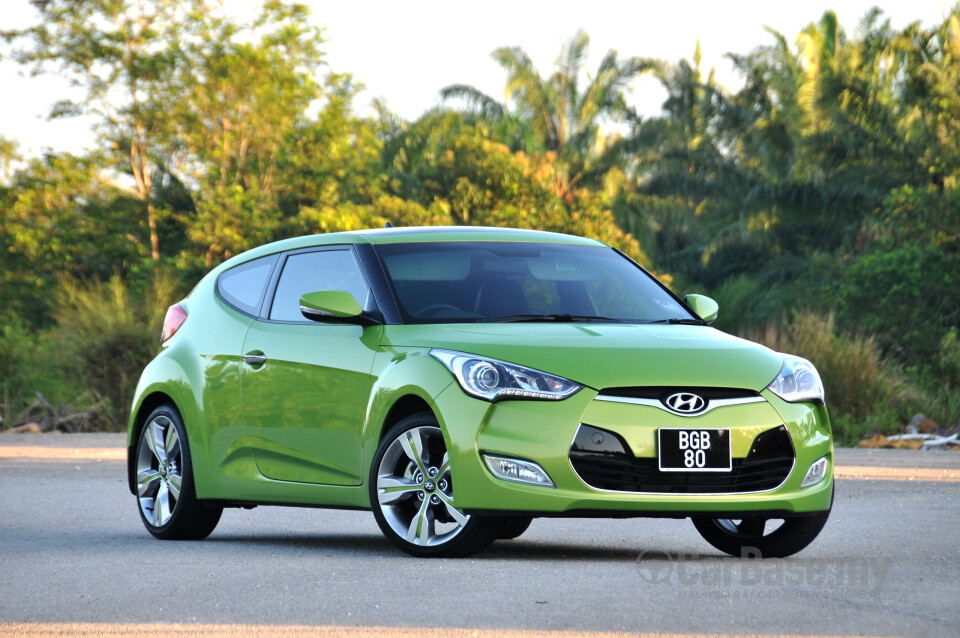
[496,281]
[243,286]
[311,272]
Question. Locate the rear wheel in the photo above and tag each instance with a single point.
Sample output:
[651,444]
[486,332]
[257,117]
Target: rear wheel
[166,497]
[759,537]
[411,492]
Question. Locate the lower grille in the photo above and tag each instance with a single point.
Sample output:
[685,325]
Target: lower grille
[766,466]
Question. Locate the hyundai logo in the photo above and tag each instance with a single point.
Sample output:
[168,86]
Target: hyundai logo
[686,402]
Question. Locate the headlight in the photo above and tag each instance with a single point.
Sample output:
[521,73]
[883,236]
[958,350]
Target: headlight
[798,381]
[492,380]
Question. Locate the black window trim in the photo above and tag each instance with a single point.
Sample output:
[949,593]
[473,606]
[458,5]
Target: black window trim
[381,285]
[268,299]
[263,293]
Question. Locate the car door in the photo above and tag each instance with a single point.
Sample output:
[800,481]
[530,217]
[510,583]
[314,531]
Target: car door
[305,385]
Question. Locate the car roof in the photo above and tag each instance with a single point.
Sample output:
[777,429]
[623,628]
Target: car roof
[415,234]
[466,233]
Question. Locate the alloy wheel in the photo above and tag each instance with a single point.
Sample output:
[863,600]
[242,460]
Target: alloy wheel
[415,488]
[159,470]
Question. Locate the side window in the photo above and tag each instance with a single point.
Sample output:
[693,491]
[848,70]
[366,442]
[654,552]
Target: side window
[309,272]
[243,286]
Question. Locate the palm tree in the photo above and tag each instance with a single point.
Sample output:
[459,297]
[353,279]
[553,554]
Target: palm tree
[560,115]
[931,94]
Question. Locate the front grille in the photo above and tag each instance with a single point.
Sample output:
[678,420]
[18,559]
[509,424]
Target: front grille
[660,392]
[614,467]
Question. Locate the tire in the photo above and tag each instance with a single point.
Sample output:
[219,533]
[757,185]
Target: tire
[411,494]
[166,498]
[512,527]
[749,537]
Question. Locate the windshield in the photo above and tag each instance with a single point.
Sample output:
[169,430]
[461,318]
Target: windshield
[454,282]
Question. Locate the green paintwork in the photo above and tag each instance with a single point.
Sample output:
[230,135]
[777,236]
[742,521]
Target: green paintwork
[303,426]
[336,303]
[304,408]
[583,352]
[705,307]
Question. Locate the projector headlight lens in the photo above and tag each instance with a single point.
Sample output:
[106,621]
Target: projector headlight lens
[493,380]
[798,381]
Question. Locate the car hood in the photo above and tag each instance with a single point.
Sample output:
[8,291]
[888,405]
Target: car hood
[607,355]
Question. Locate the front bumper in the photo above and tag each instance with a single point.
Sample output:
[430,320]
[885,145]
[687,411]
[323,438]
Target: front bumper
[542,432]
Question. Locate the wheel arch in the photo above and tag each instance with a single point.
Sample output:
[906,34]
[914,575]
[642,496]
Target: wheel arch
[164,380]
[395,397]
[404,406]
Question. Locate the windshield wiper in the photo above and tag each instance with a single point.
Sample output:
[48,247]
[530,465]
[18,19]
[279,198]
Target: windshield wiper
[561,317]
[681,321]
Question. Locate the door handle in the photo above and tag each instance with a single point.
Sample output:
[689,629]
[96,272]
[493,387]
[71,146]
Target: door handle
[254,359]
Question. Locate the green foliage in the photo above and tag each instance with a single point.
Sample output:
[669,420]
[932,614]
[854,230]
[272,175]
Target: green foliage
[908,296]
[58,217]
[108,335]
[560,114]
[849,430]
[8,156]
[827,186]
[904,286]
[458,172]
[105,333]
[32,362]
[949,363]
[942,382]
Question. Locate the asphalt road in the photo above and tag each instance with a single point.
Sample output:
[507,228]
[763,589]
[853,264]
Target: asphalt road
[73,550]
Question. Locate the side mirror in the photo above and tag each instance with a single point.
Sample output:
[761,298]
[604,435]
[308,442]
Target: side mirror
[705,307]
[333,306]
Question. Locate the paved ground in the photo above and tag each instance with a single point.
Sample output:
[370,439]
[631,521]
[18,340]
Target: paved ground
[72,550]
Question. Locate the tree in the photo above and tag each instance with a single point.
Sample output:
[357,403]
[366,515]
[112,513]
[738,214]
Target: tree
[457,170]
[237,96]
[8,157]
[119,52]
[930,95]
[57,217]
[555,115]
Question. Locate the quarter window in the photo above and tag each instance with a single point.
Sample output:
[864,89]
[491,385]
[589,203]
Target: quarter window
[310,272]
[243,286]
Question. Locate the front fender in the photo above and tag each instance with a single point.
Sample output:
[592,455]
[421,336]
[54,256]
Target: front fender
[401,372]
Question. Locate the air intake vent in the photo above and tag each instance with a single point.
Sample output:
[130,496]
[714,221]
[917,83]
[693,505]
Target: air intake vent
[765,467]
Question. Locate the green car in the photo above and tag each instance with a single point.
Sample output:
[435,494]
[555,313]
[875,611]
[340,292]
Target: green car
[460,382]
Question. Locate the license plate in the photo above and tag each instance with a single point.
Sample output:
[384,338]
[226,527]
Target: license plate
[694,450]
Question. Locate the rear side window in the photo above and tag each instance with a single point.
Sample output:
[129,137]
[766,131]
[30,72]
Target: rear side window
[243,286]
[314,271]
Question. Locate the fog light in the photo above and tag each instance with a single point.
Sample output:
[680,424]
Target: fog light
[816,473]
[517,471]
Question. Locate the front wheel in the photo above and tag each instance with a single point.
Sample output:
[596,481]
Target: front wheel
[759,537]
[411,493]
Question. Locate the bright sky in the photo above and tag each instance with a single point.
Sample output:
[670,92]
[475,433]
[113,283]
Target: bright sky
[407,51]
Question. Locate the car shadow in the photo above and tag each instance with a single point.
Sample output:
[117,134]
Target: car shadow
[375,545]
[539,550]
[346,543]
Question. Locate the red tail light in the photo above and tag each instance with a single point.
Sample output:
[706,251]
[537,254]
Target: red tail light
[176,315]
